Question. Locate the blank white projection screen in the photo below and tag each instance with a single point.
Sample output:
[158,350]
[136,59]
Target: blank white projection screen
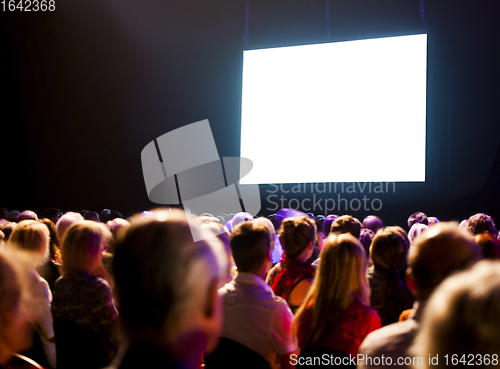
[339,112]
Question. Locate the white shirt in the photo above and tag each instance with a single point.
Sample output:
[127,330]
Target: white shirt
[391,341]
[43,325]
[256,318]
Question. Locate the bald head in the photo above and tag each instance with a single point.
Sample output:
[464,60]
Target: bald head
[439,252]
[373,223]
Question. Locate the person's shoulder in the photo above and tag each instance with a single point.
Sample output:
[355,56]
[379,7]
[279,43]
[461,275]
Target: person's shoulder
[280,302]
[390,337]
[100,283]
[42,282]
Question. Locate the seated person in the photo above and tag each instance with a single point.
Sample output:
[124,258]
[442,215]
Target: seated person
[461,321]
[490,246]
[16,330]
[346,224]
[84,300]
[253,315]
[336,313]
[293,276]
[167,290]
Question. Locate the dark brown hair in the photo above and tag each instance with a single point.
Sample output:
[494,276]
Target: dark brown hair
[295,235]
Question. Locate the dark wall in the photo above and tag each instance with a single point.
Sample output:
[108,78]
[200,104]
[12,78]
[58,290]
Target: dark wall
[86,87]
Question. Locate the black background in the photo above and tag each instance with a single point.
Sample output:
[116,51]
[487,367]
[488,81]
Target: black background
[86,87]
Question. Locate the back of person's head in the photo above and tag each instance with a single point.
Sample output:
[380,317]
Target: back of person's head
[346,224]
[366,237]
[4,212]
[213,225]
[7,228]
[166,283]
[12,216]
[389,255]
[270,226]
[461,319]
[240,218]
[91,215]
[250,244]
[105,215]
[27,215]
[82,246]
[15,330]
[481,223]
[327,223]
[417,217]
[114,227]
[114,214]
[415,230]
[296,234]
[116,224]
[490,246]
[32,237]
[389,249]
[65,221]
[53,214]
[438,252]
[276,221]
[319,225]
[373,223]
[340,280]
[54,252]
[463,224]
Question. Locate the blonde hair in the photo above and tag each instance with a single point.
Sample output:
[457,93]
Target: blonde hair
[82,246]
[65,221]
[32,237]
[295,234]
[10,291]
[339,281]
[461,317]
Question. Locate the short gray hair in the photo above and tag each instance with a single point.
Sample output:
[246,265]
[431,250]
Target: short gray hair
[65,221]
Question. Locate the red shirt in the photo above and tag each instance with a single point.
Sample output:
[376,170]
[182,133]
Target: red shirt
[357,321]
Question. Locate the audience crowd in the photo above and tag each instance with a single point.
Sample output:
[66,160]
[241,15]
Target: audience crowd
[88,290]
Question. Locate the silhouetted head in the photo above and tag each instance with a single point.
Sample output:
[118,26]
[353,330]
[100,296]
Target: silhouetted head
[440,251]
[346,224]
[417,217]
[373,223]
